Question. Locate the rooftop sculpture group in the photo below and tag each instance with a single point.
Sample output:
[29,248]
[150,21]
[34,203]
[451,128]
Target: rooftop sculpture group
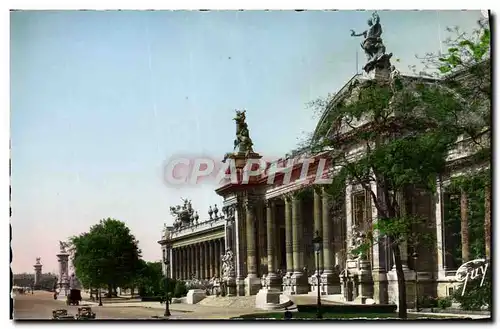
[373,45]
[184,215]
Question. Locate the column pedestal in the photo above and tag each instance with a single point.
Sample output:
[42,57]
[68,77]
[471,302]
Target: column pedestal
[330,283]
[252,284]
[299,284]
[268,299]
[393,289]
[273,281]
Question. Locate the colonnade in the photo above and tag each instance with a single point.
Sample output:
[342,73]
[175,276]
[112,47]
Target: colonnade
[295,278]
[201,260]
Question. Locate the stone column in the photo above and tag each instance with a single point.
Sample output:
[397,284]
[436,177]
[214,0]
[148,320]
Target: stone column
[318,222]
[217,257]
[177,263]
[272,280]
[439,229]
[185,260]
[378,271]
[288,243]
[170,267]
[38,273]
[299,278]
[211,271]
[252,282]
[197,261]
[191,261]
[206,256]
[240,248]
[403,245]
[318,227]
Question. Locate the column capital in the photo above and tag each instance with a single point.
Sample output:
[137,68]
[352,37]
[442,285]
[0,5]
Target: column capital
[250,203]
[269,203]
[290,196]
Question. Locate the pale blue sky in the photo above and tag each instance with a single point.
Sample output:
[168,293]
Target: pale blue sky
[99,100]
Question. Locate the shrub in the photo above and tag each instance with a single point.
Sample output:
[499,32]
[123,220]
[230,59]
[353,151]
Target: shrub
[427,302]
[180,289]
[476,297]
[444,303]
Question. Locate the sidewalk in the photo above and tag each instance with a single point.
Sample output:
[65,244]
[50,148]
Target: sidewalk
[472,316]
[190,311]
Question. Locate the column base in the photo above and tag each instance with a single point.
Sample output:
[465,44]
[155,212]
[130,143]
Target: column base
[273,281]
[252,285]
[380,287]
[393,289]
[313,282]
[240,287]
[286,284]
[268,299]
[230,287]
[299,284]
[330,283]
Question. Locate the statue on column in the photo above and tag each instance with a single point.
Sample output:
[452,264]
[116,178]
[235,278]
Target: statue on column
[373,45]
[62,247]
[243,141]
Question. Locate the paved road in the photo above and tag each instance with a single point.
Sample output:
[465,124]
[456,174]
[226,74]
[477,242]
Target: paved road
[40,305]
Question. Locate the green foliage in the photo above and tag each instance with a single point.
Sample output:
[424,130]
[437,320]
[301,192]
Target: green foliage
[107,255]
[180,289]
[464,50]
[47,280]
[427,301]
[149,278]
[444,302]
[476,297]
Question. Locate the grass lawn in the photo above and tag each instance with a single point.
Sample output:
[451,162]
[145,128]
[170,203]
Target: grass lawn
[312,315]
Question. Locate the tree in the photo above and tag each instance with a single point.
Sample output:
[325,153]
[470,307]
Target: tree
[149,278]
[413,125]
[106,256]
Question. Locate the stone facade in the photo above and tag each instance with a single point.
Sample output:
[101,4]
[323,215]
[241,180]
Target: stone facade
[269,228]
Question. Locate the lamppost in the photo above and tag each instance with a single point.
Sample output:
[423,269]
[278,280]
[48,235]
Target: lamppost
[167,263]
[100,297]
[415,257]
[317,249]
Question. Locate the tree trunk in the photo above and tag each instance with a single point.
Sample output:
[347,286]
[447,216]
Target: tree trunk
[464,224]
[110,290]
[402,309]
[487,219]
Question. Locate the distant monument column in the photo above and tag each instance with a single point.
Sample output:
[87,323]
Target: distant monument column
[63,259]
[38,273]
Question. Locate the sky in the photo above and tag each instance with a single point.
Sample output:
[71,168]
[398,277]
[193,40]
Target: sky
[101,99]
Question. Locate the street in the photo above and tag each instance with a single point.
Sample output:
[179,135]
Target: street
[40,305]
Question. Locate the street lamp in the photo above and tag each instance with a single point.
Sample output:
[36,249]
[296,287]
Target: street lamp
[415,257]
[100,297]
[167,263]
[317,249]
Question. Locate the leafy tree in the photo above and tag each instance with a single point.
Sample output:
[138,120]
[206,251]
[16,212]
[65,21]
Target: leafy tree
[149,278]
[413,125]
[46,281]
[106,256]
